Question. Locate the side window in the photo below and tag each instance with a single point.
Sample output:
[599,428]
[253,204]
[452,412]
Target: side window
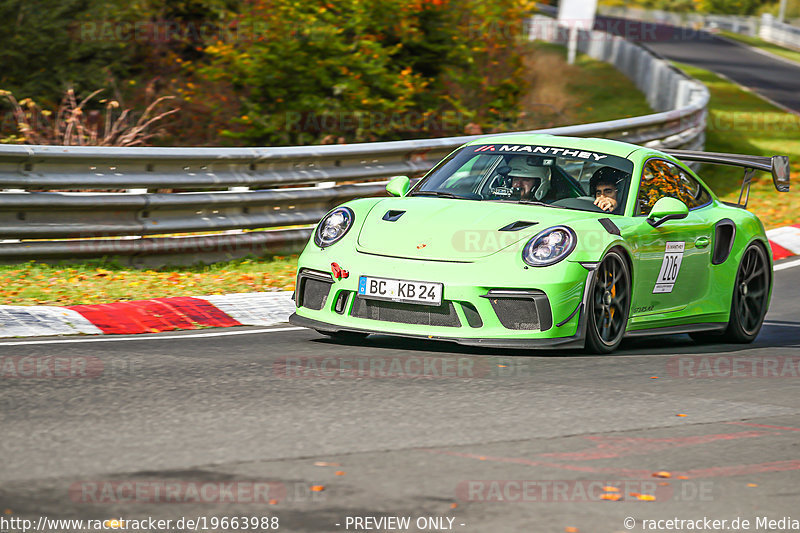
[661,178]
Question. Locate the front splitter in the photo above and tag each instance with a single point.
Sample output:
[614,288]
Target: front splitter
[574,341]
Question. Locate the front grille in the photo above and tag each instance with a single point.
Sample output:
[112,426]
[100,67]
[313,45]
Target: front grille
[516,313]
[521,309]
[427,315]
[313,293]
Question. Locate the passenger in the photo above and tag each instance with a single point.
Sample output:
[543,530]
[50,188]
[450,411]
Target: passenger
[604,185]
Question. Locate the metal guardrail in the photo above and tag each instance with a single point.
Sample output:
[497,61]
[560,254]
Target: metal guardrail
[733,23]
[767,27]
[777,32]
[211,189]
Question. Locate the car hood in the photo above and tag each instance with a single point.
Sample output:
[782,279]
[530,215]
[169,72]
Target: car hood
[453,230]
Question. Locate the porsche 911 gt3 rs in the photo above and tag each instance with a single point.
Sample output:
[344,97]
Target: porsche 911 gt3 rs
[530,240]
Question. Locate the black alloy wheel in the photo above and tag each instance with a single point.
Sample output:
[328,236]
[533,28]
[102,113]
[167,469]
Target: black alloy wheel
[609,304]
[750,294]
[749,300]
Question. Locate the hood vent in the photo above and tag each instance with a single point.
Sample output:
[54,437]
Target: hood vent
[392,216]
[518,225]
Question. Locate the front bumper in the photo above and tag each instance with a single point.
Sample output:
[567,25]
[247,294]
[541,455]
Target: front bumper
[470,313]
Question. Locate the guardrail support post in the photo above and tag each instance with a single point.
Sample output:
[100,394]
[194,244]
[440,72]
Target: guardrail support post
[572,45]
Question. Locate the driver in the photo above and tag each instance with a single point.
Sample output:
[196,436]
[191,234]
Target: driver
[530,180]
[604,185]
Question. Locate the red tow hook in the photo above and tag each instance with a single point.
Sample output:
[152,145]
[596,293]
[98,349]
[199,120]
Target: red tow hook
[338,272]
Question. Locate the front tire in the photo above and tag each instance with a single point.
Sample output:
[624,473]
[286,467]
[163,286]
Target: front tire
[609,303]
[750,294]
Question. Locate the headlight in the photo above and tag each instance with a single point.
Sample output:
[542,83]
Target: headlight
[549,247]
[334,226]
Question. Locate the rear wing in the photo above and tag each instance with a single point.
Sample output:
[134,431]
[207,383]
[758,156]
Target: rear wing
[777,165]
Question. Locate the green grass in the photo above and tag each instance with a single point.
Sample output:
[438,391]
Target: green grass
[99,281]
[588,91]
[605,93]
[743,123]
[756,42]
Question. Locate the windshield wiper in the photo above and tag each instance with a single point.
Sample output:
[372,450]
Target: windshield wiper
[544,204]
[440,194]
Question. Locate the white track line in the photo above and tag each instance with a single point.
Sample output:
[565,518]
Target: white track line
[790,264]
[152,338]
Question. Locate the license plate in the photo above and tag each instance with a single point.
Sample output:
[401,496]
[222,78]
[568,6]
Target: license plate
[398,290]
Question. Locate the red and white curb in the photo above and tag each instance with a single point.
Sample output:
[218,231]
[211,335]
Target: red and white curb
[193,312]
[785,241]
[148,316]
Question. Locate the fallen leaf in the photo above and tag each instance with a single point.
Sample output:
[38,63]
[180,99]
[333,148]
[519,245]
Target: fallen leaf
[683,477]
[273,502]
[634,494]
[7,511]
[752,484]
[646,497]
[664,484]
[340,472]
[662,474]
[681,415]
[609,488]
[653,377]
[317,488]
[323,463]
[453,505]
[569,529]
[481,458]
[610,496]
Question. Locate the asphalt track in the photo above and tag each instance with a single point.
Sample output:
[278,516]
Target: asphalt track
[774,78]
[188,409]
[191,409]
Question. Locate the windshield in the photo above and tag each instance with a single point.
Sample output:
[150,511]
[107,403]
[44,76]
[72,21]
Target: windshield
[541,175]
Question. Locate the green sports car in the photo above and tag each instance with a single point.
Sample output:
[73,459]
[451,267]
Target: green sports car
[532,241]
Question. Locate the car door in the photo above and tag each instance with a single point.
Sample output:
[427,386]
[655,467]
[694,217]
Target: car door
[673,259]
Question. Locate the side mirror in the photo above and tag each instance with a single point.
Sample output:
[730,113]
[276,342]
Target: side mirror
[667,209]
[398,186]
